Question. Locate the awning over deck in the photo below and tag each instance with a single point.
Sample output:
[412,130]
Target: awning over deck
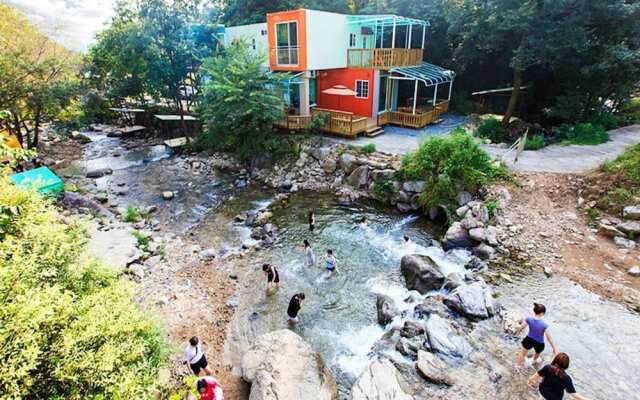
[426,73]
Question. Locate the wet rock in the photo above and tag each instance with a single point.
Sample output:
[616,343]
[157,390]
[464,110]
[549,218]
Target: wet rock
[456,236]
[609,230]
[433,369]
[280,365]
[359,177]
[431,305]
[624,243]
[421,273]
[631,212]
[99,173]
[380,380]
[348,162]
[386,308]
[443,339]
[474,300]
[239,218]
[413,186]
[404,207]
[409,346]
[630,227]
[634,271]
[411,329]
[463,198]
[168,195]
[484,251]
[453,280]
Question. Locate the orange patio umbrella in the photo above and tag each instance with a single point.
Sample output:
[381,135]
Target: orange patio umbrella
[339,90]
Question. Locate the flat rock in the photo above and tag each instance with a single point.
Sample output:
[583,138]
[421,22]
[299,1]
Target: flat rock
[433,369]
[444,340]
[624,243]
[98,173]
[609,230]
[631,212]
[473,301]
[380,380]
[630,227]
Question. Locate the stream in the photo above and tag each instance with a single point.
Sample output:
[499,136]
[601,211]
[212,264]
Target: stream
[339,315]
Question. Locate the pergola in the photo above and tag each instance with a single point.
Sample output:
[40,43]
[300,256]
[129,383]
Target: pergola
[388,21]
[429,74]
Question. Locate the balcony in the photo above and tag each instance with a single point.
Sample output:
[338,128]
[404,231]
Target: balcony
[405,117]
[383,58]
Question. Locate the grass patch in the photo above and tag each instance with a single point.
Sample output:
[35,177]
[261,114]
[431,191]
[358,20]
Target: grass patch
[365,149]
[142,239]
[582,134]
[493,207]
[449,165]
[535,142]
[132,214]
[627,164]
[592,215]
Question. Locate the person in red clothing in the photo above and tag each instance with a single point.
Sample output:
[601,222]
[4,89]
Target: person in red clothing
[207,388]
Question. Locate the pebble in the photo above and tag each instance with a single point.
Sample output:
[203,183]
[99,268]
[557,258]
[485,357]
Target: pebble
[634,271]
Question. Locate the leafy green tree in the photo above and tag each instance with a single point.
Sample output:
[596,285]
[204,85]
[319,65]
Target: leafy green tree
[240,104]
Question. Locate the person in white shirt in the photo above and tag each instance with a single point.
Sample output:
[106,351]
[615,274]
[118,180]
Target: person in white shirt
[194,356]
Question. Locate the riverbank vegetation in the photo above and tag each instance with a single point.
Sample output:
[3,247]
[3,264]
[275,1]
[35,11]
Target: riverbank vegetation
[70,328]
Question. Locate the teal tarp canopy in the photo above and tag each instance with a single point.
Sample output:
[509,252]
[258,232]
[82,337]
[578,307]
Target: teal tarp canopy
[42,179]
[427,73]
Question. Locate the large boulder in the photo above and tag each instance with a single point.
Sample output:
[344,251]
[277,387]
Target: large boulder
[457,236]
[631,212]
[421,273]
[474,300]
[379,381]
[329,165]
[282,366]
[443,339]
[630,227]
[387,309]
[359,177]
[348,162]
[433,369]
[320,153]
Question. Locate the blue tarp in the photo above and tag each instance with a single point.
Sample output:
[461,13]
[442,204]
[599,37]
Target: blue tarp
[42,179]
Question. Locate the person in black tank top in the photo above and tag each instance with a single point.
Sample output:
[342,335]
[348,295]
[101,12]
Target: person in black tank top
[295,304]
[555,381]
[273,279]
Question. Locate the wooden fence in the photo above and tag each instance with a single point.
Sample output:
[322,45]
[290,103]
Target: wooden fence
[383,58]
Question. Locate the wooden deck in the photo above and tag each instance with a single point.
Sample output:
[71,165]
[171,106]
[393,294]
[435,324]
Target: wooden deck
[404,116]
[383,58]
[337,122]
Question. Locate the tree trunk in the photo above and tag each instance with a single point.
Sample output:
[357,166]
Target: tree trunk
[183,125]
[36,131]
[17,131]
[515,94]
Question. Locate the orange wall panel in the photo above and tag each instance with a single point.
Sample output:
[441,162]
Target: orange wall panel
[300,16]
[345,77]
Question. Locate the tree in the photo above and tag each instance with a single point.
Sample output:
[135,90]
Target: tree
[36,75]
[240,103]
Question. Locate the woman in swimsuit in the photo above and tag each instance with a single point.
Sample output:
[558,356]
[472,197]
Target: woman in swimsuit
[273,279]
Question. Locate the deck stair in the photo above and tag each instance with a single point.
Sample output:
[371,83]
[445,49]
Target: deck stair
[374,131]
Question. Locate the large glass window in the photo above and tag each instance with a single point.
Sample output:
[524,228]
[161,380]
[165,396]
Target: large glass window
[287,43]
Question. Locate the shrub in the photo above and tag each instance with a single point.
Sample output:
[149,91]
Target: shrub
[535,142]
[132,214]
[383,189]
[606,120]
[448,165]
[493,130]
[69,326]
[142,239]
[583,133]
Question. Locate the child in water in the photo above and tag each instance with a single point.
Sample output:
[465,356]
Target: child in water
[555,380]
[273,279]
[535,337]
[308,252]
[330,261]
[295,305]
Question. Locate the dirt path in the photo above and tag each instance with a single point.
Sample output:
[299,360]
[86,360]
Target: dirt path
[547,226]
[191,297]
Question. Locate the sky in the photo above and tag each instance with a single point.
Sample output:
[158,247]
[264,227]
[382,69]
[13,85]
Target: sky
[73,23]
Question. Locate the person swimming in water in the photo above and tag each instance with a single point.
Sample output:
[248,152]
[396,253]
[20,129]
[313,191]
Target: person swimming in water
[308,252]
[537,333]
[555,380]
[330,261]
[406,240]
[295,305]
[364,222]
[312,221]
[273,278]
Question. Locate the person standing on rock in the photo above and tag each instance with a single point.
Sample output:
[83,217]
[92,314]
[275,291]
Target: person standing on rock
[555,380]
[273,278]
[537,333]
[312,221]
[308,252]
[207,388]
[295,304]
[330,261]
[194,356]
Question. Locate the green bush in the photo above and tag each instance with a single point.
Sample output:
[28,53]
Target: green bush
[493,130]
[383,189]
[132,214]
[535,142]
[583,133]
[142,240]
[448,165]
[606,120]
[365,149]
[69,328]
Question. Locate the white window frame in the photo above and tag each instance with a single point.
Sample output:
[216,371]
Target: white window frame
[289,48]
[362,88]
[352,40]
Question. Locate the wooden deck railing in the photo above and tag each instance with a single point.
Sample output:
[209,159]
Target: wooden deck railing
[383,58]
[295,122]
[337,122]
[404,116]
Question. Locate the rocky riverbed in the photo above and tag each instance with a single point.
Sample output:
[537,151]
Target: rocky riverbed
[429,319]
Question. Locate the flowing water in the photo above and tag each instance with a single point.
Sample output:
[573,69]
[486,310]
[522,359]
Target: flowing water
[339,315]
